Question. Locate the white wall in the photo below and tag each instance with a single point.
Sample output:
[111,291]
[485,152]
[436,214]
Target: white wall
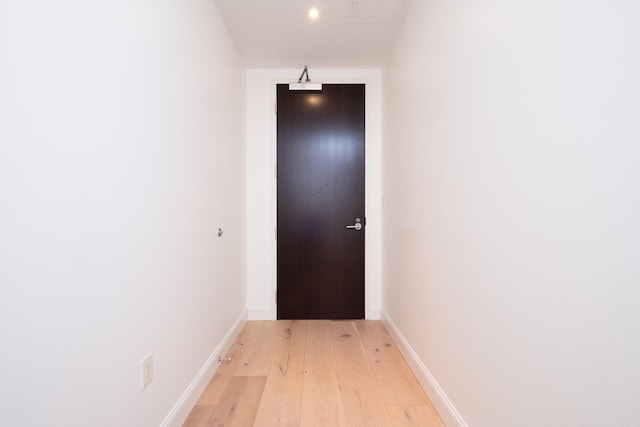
[512,207]
[261,183]
[121,152]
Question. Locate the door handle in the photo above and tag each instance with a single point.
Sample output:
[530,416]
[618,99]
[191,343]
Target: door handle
[357,226]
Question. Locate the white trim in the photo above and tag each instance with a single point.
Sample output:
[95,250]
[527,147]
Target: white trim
[450,416]
[187,401]
[372,315]
[261,315]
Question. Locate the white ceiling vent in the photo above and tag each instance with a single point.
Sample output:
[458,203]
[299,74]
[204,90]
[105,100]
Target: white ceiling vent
[374,11]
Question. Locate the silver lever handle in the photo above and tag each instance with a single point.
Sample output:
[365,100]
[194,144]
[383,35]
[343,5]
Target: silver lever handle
[357,226]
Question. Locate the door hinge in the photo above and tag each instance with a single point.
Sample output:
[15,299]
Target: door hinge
[276,233]
[275,107]
[275,170]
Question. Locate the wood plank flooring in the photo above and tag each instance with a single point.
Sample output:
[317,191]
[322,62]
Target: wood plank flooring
[313,373]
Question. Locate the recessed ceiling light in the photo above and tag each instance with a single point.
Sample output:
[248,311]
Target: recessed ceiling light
[314,13]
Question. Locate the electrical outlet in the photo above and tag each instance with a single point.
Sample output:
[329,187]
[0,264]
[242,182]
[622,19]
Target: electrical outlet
[147,370]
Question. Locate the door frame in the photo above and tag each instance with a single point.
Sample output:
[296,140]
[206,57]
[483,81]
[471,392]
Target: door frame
[261,84]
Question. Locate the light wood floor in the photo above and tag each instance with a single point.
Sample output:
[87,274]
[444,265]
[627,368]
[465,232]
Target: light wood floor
[313,373]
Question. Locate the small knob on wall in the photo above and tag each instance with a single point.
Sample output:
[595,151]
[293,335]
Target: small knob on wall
[220,232]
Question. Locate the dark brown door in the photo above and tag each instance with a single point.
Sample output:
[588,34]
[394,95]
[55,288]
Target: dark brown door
[320,143]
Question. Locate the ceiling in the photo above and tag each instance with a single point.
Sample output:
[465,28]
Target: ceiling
[280,34]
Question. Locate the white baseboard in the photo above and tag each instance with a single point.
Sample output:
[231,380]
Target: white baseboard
[261,315]
[443,405]
[187,401]
[372,315]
